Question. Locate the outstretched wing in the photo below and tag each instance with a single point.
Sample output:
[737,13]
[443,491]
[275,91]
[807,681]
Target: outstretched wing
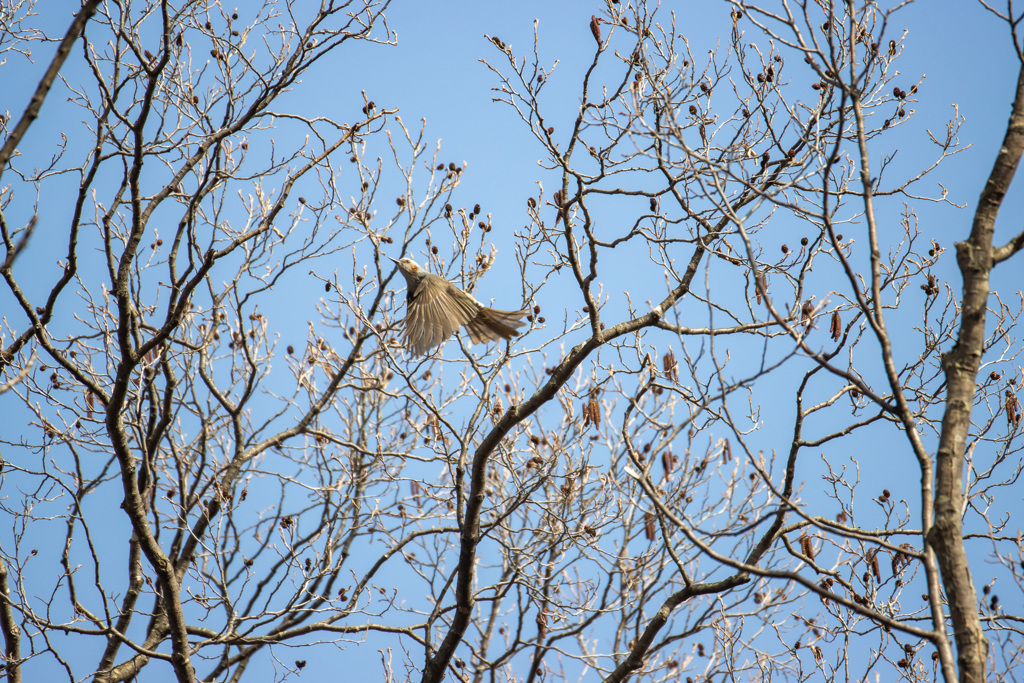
[436,310]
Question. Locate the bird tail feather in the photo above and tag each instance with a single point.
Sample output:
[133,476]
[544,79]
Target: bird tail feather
[491,325]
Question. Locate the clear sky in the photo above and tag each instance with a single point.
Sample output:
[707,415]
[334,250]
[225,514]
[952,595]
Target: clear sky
[435,74]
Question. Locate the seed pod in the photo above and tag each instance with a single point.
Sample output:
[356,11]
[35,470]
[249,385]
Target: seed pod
[670,366]
[592,414]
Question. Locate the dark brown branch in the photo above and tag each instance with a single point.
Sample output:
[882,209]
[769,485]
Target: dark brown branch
[976,258]
[36,103]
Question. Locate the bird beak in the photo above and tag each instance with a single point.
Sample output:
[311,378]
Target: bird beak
[393,259]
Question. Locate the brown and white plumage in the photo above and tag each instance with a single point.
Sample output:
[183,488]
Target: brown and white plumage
[437,308]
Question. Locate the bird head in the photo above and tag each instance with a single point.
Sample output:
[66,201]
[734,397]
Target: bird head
[410,269]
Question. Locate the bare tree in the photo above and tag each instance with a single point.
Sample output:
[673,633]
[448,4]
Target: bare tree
[677,476]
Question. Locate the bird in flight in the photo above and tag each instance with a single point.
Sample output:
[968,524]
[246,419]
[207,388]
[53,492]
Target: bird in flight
[437,308]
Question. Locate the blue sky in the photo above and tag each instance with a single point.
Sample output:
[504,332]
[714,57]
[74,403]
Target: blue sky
[435,74]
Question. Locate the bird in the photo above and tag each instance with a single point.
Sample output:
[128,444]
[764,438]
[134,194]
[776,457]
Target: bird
[437,308]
